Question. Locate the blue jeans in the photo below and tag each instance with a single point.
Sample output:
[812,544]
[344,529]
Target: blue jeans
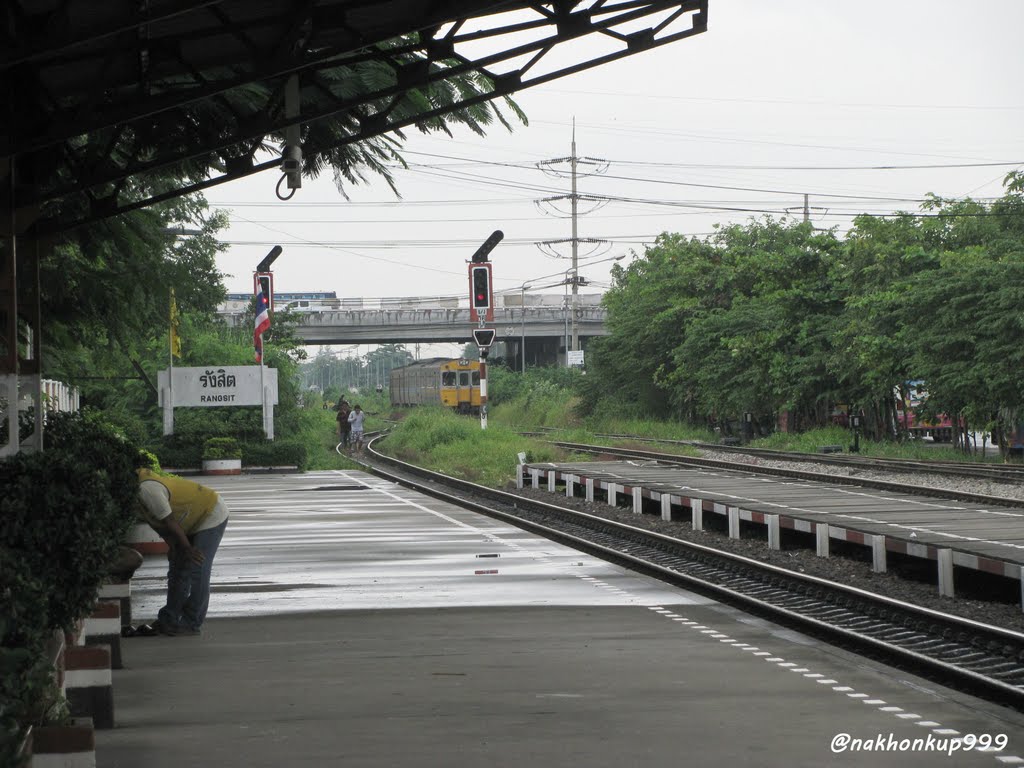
[188,583]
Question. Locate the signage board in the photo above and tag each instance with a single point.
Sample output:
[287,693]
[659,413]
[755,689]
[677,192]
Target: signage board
[219,386]
[574,357]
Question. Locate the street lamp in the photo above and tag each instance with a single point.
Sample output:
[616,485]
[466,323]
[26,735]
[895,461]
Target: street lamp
[522,310]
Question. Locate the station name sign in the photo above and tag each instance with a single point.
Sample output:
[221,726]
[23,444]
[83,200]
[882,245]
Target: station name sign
[214,386]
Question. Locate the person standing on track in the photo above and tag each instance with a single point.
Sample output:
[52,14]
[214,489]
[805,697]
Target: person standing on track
[355,420]
[344,427]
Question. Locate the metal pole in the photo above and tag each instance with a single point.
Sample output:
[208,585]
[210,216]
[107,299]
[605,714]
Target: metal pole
[169,394]
[522,342]
[483,389]
[263,388]
[565,322]
[575,248]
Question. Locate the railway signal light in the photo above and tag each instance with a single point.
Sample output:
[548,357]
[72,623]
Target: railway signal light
[480,292]
[483,337]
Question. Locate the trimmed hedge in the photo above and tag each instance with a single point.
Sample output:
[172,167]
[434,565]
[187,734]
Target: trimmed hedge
[277,453]
[174,452]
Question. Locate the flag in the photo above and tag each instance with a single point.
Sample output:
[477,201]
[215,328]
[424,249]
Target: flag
[175,322]
[262,323]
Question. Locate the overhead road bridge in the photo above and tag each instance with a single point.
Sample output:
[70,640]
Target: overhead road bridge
[543,322]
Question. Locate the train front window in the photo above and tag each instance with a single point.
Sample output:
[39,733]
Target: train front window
[463,378]
[476,378]
[447,378]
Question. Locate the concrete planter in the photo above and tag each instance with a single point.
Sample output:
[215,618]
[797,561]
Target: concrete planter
[222,466]
[144,540]
[64,746]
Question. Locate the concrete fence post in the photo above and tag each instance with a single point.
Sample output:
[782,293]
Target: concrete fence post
[666,507]
[821,532]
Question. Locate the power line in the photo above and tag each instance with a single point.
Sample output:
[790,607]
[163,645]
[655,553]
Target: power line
[719,166]
[817,104]
[733,188]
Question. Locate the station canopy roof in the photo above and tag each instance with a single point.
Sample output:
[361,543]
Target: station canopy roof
[115,105]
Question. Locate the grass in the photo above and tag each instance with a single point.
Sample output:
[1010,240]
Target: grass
[554,409]
[911,450]
[319,428]
[441,440]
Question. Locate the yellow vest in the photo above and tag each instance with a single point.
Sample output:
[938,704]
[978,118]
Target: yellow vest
[190,501]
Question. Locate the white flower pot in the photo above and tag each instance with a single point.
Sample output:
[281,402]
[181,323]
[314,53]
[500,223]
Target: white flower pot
[222,466]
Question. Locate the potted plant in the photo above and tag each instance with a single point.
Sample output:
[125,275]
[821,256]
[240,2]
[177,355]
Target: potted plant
[222,456]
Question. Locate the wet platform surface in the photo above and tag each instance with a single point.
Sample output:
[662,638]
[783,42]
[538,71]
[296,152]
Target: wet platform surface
[355,623]
[981,537]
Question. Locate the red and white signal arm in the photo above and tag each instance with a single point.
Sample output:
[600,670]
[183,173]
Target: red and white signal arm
[481,294]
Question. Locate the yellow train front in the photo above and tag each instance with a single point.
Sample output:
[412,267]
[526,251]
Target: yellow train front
[438,381]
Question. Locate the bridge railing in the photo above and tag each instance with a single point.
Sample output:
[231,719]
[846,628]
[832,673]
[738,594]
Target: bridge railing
[353,304]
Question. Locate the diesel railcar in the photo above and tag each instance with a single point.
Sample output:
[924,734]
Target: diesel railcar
[438,381]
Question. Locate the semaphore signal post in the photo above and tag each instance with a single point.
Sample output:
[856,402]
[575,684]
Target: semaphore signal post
[481,310]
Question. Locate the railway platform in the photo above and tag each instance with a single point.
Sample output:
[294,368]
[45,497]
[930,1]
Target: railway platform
[950,533]
[356,623]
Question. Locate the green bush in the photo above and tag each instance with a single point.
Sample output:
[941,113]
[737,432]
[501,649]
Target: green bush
[221,448]
[65,511]
[275,453]
[177,453]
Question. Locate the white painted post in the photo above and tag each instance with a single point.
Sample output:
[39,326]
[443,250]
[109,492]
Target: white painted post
[551,480]
[570,486]
[878,564]
[945,559]
[590,489]
[638,501]
[1021,577]
[613,493]
[167,402]
[519,476]
[697,511]
[535,474]
[666,514]
[821,531]
[774,536]
[734,522]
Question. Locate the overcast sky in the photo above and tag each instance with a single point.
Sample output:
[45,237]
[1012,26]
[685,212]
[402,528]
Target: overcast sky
[777,99]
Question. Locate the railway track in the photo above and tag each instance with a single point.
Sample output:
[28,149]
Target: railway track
[1000,473]
[739,466]
[984,660]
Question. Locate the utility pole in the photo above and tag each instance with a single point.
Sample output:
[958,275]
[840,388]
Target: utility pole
[574,161]
[805,210]
[575,247]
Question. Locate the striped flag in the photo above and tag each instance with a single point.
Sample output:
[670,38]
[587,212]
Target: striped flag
[262,322]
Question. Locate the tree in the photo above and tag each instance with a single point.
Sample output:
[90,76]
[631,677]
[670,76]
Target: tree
[105,298]
[649,305]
